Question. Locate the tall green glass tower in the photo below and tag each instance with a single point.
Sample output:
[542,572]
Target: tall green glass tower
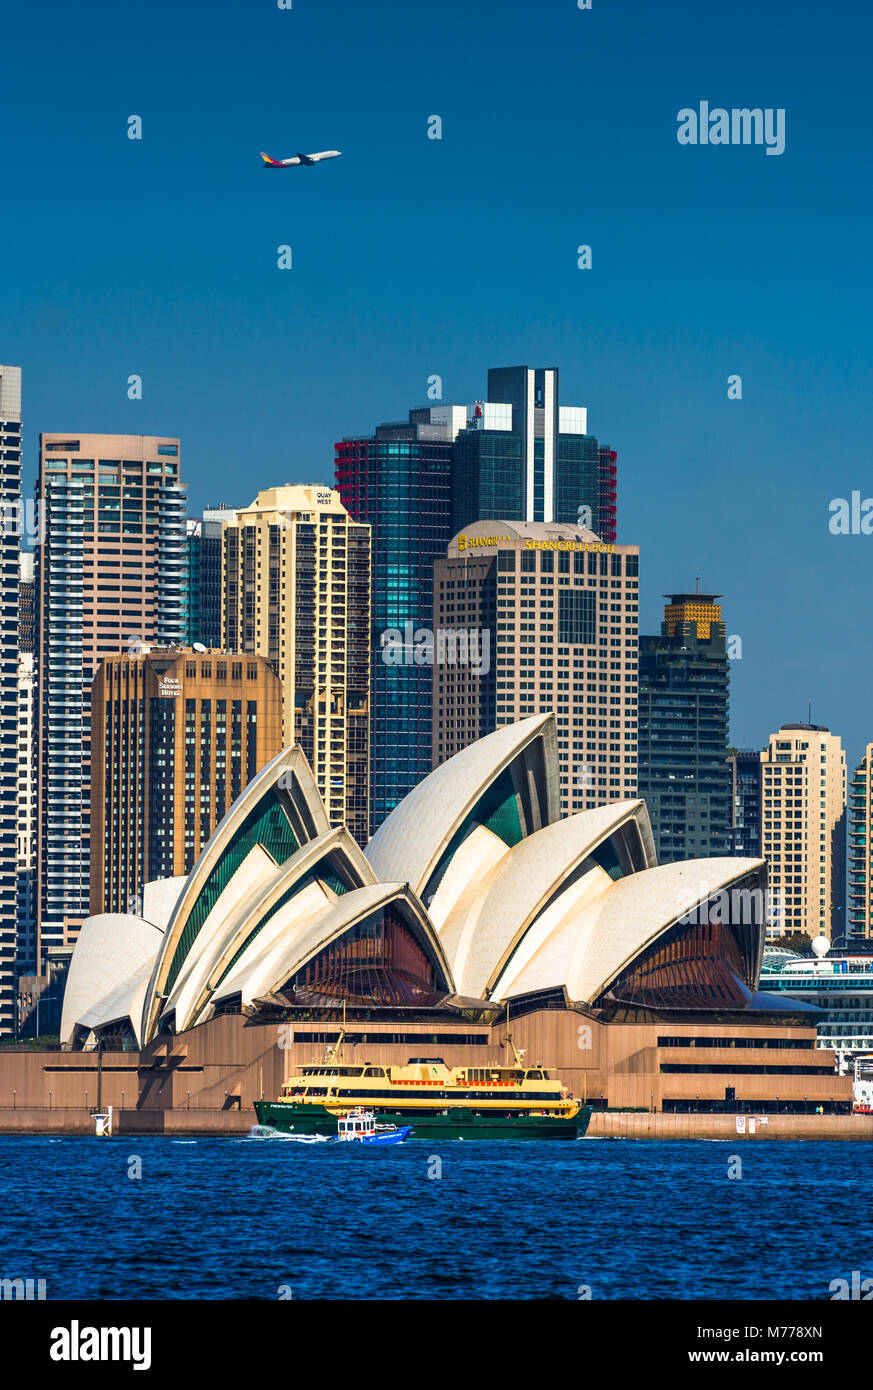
[399,481]
[525,457]
[684,773]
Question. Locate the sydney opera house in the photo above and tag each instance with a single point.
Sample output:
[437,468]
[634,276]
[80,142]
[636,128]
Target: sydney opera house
[474,906]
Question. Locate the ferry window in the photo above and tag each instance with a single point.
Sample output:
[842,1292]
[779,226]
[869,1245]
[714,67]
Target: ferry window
[534,1076]
[375,1071]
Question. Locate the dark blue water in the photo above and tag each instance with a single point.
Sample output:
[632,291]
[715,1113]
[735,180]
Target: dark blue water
[231,1218]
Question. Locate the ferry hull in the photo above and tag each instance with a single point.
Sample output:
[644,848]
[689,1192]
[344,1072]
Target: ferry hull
[291,1118]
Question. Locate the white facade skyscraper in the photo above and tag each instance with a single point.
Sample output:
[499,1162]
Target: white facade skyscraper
[10,510]
[26,817]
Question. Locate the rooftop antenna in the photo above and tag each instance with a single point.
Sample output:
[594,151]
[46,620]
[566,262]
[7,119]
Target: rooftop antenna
[809,706]
[698,582]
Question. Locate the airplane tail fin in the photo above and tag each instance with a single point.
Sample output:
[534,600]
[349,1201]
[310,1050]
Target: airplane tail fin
[274,163]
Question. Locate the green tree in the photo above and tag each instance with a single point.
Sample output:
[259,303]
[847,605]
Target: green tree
[792,941]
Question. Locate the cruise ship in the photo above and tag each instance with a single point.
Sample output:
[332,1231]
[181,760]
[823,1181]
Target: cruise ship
[839,983]
[440,1102]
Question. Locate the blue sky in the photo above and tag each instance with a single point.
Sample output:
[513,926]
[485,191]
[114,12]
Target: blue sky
[413,256]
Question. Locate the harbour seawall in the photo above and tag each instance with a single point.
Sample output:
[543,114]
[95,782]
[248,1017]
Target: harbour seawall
[625,1125]
[127,1122]
[604,1125]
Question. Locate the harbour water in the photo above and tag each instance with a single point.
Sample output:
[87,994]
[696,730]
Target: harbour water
[272,1218]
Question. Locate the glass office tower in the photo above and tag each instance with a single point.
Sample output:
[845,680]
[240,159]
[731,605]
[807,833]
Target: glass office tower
[684,774]
[525,457]
[399,481]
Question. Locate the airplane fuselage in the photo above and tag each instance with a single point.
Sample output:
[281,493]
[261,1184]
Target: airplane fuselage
[299,158]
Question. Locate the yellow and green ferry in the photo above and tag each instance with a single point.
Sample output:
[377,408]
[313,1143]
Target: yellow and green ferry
[440,1102]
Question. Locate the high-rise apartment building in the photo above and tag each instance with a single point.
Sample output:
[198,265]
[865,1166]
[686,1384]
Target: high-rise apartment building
[804,829]
[26,814]
[176,735]
[10,534]
[525,457]
[860,853]
[296,590]
[745,828]
[530,618]
[26,603]
[399,482]
[684,774]
[192,580]
[204,575]
[110,576]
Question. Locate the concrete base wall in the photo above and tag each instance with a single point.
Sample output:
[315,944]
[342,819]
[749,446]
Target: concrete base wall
[606,1125]
[127,1122]
[206,1080]
[611,1125]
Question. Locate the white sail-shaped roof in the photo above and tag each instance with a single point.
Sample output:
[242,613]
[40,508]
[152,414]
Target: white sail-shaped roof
[491,918]
[286,791]
[263,893]
[592,943]
[292,950]
[493,896]
[414,838]
[114,955]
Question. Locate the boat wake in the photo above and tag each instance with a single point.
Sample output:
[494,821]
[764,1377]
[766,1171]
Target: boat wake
[267,1132]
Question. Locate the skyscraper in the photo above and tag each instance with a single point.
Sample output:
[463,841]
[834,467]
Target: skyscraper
[26,604]
[204,575]
[525,457]
[519,455]
[745,828]
[399,481]
[530,618]
[192,580]
[10,533]
[26,816]
[804,830]
[110,575]
[860,875]
[176,737]
[296,580]
[684,775]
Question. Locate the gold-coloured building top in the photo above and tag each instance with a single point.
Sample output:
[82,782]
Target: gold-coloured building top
[700,610]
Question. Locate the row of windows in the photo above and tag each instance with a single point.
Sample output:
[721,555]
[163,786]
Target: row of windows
[781,1043]
[730,1068]
[590,562]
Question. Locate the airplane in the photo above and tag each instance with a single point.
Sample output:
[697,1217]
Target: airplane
[298,159]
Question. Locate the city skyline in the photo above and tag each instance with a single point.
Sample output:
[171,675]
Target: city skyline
[650,605]
[432,680]
[415,257]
